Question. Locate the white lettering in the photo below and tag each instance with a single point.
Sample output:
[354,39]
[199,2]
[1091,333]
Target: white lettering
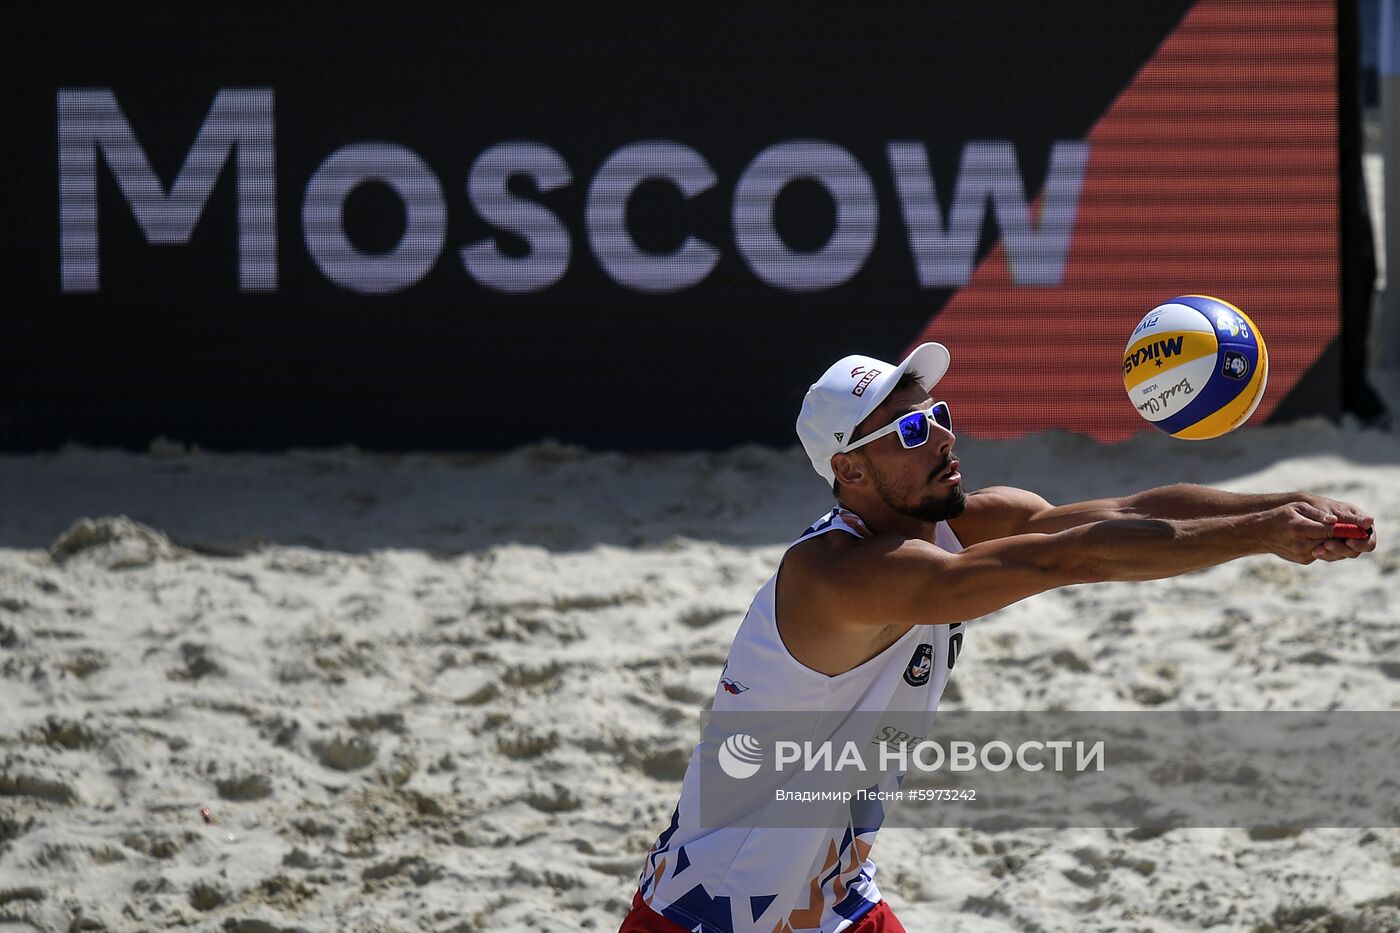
[323,216]
[809,796]
[785,753]
[1094,755]
[1059,745]
[1021,756]
[612,187]
[962,755]
[943,256]
[921,749]
[868,794]
[1001,747]
[544,233]
[239,127]
[819,758]
[894,756]
[857,215]
[850,756]
[239,121]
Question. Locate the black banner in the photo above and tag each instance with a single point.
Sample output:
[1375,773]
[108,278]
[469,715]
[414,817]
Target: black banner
[474,228]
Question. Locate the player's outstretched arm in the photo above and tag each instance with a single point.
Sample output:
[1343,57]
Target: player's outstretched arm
[894,580]
[1000,511]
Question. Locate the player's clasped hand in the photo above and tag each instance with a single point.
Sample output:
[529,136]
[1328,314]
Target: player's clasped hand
[1302,531]
[1337,548]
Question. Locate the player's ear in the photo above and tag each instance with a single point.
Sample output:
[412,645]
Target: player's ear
[847,468]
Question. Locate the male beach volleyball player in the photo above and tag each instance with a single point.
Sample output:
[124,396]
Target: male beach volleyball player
[867,612]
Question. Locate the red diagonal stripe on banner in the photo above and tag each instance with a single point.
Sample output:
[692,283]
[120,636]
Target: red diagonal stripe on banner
[1214,172]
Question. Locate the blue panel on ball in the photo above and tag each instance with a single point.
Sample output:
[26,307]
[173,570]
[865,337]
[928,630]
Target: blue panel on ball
[1220,389]
[1210,307]
[1235,330]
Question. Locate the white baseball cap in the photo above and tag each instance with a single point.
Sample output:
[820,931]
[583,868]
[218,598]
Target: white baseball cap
[849,391]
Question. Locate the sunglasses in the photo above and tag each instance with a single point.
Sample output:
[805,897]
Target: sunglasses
[912,428]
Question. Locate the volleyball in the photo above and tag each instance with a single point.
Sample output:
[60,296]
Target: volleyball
[1195,367]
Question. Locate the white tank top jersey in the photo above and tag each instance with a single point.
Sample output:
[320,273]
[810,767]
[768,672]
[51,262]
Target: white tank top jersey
[756,879]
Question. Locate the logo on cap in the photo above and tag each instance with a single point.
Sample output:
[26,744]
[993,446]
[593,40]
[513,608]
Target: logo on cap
[840,437]
[864,380]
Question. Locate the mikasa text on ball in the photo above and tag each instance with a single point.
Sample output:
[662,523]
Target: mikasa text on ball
[1195,367]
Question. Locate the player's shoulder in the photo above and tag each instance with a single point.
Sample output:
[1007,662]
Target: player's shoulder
[820,557]
[996,512]
[824,545]
[1005,498]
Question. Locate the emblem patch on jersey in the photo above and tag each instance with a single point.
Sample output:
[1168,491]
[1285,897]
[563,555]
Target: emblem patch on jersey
[732,686]
[920,666]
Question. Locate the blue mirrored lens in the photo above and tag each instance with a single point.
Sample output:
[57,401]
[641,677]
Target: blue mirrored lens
[913,430]
[942,415]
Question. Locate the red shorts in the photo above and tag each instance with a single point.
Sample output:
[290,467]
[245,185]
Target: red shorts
[642,919]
